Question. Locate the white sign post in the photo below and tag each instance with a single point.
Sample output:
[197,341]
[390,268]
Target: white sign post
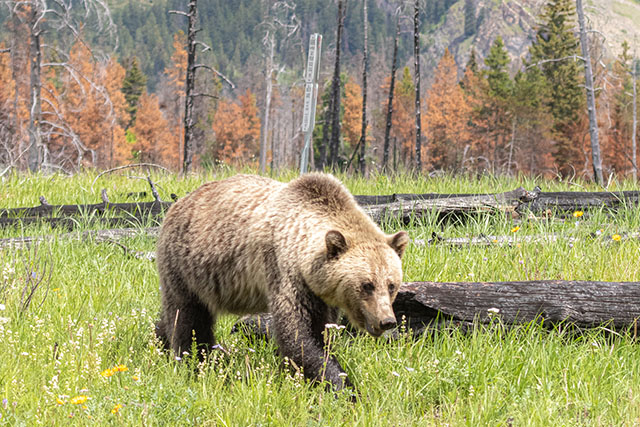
[310,97]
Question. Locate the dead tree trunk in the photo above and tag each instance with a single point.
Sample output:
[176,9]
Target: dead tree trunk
[35,86]
[580,304]
[394,64]
[635,68]
[365,69]
[267,104]
[416,62]
[583,303]
[407,210]
[189,86]
[334,144]
[591,97]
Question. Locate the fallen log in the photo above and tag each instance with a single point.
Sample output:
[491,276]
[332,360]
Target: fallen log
[570,201]
[489,240]
[112,234]
[583,304]
[407,210]
[46,210]
[70,223]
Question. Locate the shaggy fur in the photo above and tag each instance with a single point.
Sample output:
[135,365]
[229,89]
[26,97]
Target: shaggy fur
[301,251]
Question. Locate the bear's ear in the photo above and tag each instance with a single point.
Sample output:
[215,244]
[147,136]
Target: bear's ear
[336,243]
[398,242]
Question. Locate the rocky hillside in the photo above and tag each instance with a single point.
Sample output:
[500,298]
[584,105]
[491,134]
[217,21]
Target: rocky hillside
[515,21]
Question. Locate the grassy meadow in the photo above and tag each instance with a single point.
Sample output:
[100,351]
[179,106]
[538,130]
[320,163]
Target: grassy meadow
[83,351]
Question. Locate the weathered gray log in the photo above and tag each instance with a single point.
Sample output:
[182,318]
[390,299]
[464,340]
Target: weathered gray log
[570,201]
[581,303]
[489,240]
[113,234]
[45,210]
[405,211]
[70,222]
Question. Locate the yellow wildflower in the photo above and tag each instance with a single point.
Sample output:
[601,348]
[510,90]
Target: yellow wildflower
[78,400]
[120,368]
[516,228]
[616,237]
[106,373]
[59,401]
[578,214]
[116,408]
[135,378]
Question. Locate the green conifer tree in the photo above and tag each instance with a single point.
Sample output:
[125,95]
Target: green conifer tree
[554,51]
[500,84]
[133,85]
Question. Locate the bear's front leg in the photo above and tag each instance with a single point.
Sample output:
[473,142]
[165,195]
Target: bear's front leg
[299,318]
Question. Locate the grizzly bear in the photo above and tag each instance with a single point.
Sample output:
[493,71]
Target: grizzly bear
[302,251]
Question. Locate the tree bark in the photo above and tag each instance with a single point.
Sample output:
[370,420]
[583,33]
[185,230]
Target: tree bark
[416,61]
[334,144]
[584,303]
[581,304]
[365,69]
[35,86]
[189,86]
[634,131]
[265,125]
[591,97]
[407,210]
[387,129]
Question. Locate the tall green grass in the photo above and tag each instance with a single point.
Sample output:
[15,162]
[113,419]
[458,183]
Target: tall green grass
[97,311]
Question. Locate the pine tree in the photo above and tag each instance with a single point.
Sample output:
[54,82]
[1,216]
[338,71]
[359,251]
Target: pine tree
[133,86]
[500,84]
[554,51]
[497,107]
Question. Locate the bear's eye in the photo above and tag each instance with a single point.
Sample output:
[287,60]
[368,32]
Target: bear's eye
[368,288]
[392,288]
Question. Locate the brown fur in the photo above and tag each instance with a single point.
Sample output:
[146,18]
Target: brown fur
[301,251]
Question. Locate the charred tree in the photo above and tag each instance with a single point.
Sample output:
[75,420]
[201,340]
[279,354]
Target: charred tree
[591,97]
[365,70]
[394,66]
[416,63]
[334,143]
[35,85]
[189,86]
[634,130]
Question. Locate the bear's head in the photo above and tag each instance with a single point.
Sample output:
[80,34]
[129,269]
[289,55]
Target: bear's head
[363,278]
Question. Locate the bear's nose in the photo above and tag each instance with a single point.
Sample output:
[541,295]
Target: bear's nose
[388,323]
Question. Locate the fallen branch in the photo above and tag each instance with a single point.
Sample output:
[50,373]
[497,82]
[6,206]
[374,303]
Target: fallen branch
[135,165]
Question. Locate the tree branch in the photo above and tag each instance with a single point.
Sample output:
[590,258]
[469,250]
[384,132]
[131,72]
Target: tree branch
[218,73]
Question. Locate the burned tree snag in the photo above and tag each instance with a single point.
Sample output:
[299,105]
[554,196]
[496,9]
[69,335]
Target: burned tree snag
[387,129]
[334,143]
[189,86]
[365,70]
[591,97]
[416,62]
